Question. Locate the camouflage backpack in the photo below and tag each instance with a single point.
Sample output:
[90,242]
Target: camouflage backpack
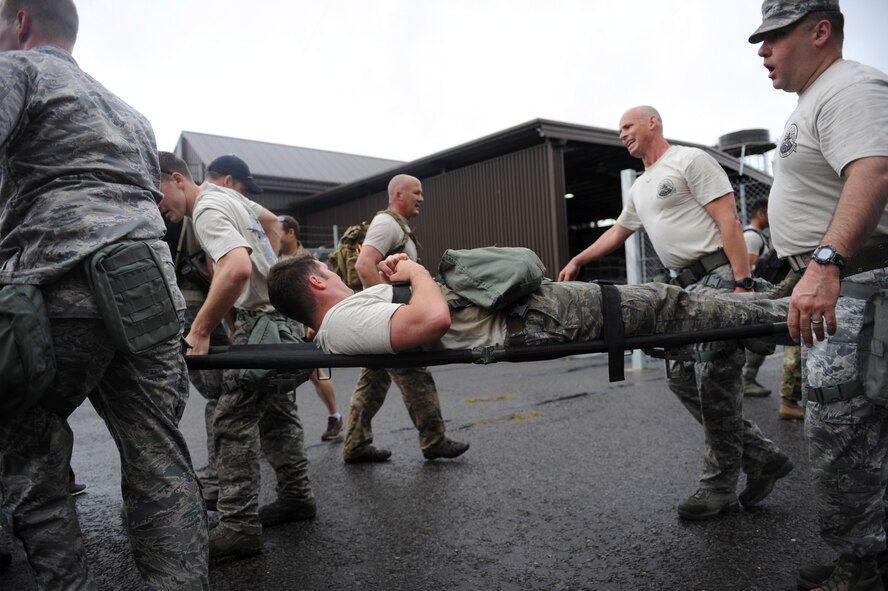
[342,260]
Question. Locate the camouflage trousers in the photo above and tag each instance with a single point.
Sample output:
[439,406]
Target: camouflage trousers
[752,364]
[247,421]
[208,382]
[141,399]
[791,378]
[420,397]
[847,439]
[563,312]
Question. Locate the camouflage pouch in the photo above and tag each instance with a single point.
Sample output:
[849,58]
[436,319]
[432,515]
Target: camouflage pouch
[27,358]
[133,295]
[872,349]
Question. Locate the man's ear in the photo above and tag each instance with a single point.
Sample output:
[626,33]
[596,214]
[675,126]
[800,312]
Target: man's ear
[316,282]
[822,33]
[23,26]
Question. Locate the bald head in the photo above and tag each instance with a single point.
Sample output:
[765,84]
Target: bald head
[405,195]
[641,131]
[644,112]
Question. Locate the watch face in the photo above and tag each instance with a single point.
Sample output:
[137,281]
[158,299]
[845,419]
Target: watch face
[824,253]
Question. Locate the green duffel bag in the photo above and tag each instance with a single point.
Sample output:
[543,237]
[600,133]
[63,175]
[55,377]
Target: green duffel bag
[27,358]
[491,277]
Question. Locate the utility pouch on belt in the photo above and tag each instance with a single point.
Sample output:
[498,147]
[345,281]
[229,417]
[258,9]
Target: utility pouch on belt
[492,277]
[872,349]
[133,295]
[27,358]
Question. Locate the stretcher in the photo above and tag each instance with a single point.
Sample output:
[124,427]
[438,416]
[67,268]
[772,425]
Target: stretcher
[297,356]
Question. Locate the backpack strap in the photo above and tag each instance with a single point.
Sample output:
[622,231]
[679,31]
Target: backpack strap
[408,233]
[766,244]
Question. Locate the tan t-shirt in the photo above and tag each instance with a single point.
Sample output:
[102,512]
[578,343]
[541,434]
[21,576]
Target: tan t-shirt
[361,324]
[841,117]
[224,220]
[667,201]
[385,234]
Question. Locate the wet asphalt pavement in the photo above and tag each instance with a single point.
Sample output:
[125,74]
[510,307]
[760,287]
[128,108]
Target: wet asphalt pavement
[570,483]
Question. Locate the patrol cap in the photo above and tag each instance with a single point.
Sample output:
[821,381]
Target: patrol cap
[237,168]
[777,14]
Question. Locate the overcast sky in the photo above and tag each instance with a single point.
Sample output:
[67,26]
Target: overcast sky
[404,79]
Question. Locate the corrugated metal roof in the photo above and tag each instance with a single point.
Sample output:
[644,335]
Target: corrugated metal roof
[268,160]
[521,136]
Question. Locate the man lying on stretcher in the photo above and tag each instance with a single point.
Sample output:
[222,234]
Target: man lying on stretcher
[368,322]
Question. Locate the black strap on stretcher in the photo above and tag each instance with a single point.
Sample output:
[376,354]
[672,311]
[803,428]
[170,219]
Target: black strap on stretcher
[291,356]
[613,333]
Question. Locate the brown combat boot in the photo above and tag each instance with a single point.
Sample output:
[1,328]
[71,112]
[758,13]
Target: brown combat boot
[790,410]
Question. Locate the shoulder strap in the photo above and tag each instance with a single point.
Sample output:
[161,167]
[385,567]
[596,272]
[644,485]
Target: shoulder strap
[408,233]
[766,244]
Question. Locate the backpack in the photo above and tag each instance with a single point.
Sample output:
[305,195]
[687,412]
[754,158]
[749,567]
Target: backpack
[770,267]
[342,260]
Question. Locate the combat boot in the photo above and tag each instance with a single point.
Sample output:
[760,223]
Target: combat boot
[227,543]
[791,411]
[814,575]
[371,454]
[754,389]
[759,484]
[447,448]
[287,510]
[852,574]
[706,504]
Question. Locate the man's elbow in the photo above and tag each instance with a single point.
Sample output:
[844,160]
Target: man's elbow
[439,323]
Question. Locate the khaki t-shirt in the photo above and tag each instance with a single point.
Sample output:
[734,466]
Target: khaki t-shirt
[385,234]
[667,201]
[840,118]
[224,220]
[361,324]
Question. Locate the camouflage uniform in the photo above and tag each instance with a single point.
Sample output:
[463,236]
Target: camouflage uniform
[848,439]
[417,387]
[248,420]
[76,174]
[571,312]
[420,397]
[712,392]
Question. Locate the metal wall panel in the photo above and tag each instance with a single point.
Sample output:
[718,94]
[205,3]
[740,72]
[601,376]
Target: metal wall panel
[512,200]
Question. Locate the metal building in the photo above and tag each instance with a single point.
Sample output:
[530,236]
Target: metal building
[550,186]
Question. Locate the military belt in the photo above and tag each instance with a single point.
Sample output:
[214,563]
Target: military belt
[845,391]
[700,268]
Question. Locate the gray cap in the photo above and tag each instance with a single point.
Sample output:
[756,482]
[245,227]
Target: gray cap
[777,14]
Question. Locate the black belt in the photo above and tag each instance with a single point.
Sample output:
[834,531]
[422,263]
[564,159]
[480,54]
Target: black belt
[700,268]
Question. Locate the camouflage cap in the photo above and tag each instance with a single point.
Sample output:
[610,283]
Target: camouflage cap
[777,14]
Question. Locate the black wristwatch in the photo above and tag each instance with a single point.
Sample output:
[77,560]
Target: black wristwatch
[745,283]
[826,254]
